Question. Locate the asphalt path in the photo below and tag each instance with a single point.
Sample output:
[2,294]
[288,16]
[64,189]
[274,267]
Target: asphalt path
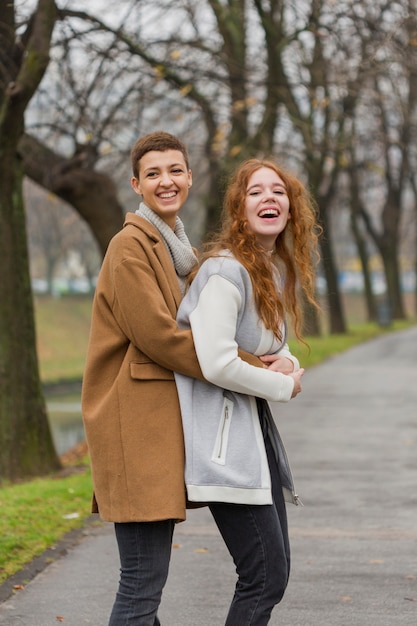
[351,437]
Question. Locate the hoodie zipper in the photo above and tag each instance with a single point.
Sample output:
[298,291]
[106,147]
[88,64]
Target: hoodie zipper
[220,445]
[224,424]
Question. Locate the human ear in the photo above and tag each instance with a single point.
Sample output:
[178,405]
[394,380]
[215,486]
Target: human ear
[136,186]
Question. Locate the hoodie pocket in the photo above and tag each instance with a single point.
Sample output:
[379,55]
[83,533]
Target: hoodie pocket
[222,438]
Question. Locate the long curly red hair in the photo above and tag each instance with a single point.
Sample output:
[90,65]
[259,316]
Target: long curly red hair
[296,248]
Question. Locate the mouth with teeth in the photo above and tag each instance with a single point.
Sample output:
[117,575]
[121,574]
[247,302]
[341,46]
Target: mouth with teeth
[167,195]
[268,213]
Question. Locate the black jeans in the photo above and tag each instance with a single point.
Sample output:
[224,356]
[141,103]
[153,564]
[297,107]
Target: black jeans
[257,539]
[145,552]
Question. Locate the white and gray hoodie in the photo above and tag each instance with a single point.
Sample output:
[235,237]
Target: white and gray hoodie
[225,452]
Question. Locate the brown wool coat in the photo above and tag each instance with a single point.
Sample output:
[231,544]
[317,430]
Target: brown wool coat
[130,404]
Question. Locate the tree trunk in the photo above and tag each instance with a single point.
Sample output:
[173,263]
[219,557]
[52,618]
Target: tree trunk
[392,274]
[355,212]
[387,243]
[92,194]
[336,314]
[363,256]
[311,320]
[26,447]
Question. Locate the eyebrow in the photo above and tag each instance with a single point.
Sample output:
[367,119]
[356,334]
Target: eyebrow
[158,167]
[281,185]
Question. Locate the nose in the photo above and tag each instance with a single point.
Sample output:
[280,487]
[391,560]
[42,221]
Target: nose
[268,196]
[166,180]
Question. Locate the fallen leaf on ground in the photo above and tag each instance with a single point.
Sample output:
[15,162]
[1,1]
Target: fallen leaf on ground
[201,550]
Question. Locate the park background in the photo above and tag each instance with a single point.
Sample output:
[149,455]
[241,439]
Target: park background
[328,88]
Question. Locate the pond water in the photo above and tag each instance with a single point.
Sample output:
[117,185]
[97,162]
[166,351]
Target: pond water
[65,420]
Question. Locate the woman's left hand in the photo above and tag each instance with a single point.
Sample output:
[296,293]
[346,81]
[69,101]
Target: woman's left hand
[278,363]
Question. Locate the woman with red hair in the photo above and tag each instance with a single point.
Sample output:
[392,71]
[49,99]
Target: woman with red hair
[250,279]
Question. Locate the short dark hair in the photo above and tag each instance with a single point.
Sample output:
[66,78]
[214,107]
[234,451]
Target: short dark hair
[159,141]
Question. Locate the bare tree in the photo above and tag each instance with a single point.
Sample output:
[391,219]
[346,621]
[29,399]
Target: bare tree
[384,139]
[214,73]
[256,78]
[26,446]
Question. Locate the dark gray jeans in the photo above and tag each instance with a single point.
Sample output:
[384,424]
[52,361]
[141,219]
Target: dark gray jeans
[257,539]
[145,552]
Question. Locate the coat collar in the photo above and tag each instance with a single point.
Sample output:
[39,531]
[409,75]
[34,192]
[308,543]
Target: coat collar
[143,225]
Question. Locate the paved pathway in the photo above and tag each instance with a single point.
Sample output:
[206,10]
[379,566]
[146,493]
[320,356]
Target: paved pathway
[352,442]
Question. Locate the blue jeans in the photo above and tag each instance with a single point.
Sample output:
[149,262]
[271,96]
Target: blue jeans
[145,552]
[257,539]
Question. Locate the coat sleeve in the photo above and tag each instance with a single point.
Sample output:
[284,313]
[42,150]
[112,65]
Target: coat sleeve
[213,322]
[144,307]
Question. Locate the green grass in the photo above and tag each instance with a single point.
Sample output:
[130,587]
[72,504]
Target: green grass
[32,514]
[62,327]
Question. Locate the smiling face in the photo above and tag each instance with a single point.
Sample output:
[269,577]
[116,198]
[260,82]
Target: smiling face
[163,183]
[267,206]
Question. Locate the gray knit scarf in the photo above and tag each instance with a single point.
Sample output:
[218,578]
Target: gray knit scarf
[175,240]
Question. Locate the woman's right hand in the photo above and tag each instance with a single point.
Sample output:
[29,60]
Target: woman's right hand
[296,376]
